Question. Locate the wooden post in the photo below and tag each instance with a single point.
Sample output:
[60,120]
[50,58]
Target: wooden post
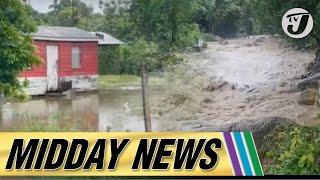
[108,129]
[145,98]
[1,112]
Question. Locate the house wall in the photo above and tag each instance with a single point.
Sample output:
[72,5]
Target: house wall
[83,79]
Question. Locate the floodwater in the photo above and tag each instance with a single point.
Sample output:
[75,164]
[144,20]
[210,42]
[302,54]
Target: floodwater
[106,110]
[256,73]
[255,76]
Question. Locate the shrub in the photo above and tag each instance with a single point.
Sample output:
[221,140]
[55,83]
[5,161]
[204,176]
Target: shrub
[293,151]
[208,37]
[109,60]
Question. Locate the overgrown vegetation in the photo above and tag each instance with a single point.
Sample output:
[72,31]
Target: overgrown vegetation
[292,150]
[182,92]
[177,95]
[17,52]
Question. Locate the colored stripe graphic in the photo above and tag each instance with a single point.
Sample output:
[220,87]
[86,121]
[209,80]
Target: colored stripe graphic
[233,154]
[243,154]
[253,154]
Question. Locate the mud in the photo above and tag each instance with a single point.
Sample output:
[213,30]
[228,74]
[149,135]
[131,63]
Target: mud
[255,75]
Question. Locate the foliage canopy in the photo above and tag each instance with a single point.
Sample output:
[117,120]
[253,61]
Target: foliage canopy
[17,52]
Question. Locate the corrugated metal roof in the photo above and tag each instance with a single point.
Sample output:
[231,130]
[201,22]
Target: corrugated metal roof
[62,33]
[106,39]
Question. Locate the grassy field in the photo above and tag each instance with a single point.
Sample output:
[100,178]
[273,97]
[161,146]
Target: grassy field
[113,81]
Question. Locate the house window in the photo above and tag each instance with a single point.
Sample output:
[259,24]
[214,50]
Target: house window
[76,62]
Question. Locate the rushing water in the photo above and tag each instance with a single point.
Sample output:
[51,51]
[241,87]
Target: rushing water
[106,110]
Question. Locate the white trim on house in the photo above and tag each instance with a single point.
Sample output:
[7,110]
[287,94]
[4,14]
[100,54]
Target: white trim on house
[39,85]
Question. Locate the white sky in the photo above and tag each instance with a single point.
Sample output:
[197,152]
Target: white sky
[43,5]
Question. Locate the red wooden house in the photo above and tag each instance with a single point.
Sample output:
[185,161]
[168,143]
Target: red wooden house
[70,56]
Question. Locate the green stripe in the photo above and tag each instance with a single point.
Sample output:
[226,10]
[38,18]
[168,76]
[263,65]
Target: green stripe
[253,153]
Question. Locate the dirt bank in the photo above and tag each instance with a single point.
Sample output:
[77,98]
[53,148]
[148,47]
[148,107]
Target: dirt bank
[254,75]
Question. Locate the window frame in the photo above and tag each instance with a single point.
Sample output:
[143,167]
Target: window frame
[80,57]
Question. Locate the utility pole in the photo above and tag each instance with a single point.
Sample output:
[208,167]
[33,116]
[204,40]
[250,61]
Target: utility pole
[145,98]
[73,17]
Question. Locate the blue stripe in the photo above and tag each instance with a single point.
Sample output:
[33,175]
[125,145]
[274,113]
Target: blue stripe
[243,154]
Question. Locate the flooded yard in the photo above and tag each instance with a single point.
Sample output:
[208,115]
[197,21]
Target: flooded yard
[248,82]
[105,110]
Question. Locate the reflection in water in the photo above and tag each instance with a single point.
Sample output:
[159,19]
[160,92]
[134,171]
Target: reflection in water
[86,112]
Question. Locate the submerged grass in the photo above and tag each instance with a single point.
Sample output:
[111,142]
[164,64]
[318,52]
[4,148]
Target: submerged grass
[59,123]
[38,126]
[177,96]
[182,95]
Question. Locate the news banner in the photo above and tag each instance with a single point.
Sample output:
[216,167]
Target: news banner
[154,154]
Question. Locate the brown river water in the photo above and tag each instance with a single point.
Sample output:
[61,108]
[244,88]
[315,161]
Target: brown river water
[106,110]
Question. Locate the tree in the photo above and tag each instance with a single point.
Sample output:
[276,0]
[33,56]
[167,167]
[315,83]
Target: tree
[17,52]
[146,14]
[116,20]
[145,56]
[69,12]
[165,22]
[219,17]
[179,15]
[39,18]
[204,16]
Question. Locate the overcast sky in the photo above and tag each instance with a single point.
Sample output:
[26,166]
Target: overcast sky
[43,5]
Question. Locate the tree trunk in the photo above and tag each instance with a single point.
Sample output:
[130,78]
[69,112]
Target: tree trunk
[174,34]
[145,98]
[174,24]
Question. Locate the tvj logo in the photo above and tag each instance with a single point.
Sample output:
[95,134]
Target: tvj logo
[297,23]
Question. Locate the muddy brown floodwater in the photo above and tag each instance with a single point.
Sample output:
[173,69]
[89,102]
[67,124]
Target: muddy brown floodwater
[87,112]
[256,72]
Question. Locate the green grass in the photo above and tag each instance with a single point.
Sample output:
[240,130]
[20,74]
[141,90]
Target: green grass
[112,81]
[118,80]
